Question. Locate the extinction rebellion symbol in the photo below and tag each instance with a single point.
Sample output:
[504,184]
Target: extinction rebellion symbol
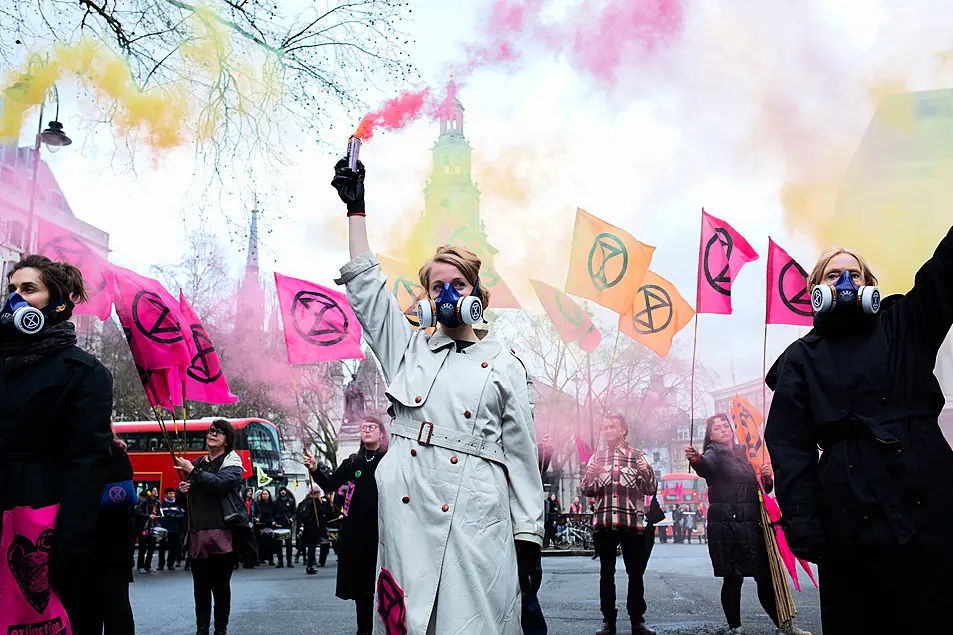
[574,317]
[74,251]
[607,250]
[317,317]
[205,367]
[154,319]
[657,312]
[721,282]
[799,303]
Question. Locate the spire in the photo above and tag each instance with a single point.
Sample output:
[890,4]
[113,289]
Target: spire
[251,264]
[451,111]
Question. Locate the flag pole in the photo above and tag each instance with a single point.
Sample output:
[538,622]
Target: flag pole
[691,416]
[764,404]
[314,506]
[185,426]
[605,402]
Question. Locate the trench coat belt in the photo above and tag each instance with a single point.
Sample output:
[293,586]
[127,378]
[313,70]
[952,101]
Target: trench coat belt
[425,433]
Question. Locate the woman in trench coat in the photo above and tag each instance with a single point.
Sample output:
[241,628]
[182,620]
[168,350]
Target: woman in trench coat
[460,494]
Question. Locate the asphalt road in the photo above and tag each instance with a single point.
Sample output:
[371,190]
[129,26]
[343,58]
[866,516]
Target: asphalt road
[682,596]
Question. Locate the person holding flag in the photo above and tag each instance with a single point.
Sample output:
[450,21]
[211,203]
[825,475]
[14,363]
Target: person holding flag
[872,510]
[736,542]
[461,497]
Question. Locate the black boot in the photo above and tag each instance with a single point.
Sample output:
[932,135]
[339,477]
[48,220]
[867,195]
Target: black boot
[608,628]
[202,626]
[311,571]
[639,628]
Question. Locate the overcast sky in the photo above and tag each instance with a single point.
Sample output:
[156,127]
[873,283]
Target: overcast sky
[741,104]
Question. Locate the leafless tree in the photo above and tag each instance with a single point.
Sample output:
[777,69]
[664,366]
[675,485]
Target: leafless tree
[321,392]
[265,66]
[202,274]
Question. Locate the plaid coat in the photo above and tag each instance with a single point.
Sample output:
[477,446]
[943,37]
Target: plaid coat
[619,489]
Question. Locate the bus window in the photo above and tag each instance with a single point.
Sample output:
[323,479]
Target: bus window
[262,444]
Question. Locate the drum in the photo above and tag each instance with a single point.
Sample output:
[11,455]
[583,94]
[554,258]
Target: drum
[282,534]
[159,533]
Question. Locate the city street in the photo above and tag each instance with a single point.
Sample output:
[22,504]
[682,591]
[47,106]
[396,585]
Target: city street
[682,595]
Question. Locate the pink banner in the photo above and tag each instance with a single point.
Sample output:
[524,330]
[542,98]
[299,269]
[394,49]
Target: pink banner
[788,298]
[27,603]
[585,452]
[60,244]
[318,322]
[153,326]
[722,253]
[204,378]
[774,514]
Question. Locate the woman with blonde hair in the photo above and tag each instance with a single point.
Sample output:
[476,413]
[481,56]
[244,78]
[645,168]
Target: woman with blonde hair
[871,511]
[460,494]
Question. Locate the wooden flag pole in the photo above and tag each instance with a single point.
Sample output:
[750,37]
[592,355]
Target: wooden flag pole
[605,402]
[314,505]
[691,416]
[764,403]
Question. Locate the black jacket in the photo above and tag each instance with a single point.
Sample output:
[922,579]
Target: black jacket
[54,443]
[735,535]
[266,513]
[285,509]
[209,483]
[868,397]
[115,535]
[172,518]
[146,508]
[357,541]
[314,529]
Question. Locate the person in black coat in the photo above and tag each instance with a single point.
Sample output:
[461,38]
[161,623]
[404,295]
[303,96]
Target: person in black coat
[313,516]
[106,592]
[285,512]
[358,538]
[872,510]
[266,520]
[735,532]
[172,519]
[147,511]
[55,409]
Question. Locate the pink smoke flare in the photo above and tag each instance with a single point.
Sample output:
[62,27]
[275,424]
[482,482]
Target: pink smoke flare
[395,113]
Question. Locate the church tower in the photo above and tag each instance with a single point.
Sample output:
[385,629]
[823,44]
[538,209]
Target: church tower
[451,198]
[250,316]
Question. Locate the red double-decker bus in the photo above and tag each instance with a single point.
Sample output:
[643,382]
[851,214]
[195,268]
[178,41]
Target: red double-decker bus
[256,442]
[689,491]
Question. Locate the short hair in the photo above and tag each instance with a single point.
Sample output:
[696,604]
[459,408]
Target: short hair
[619,419]
[829,254]
[463,259]
[168,489]
[226,428]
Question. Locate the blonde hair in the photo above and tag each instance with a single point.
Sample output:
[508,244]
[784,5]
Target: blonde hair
[467,262]
[817,274]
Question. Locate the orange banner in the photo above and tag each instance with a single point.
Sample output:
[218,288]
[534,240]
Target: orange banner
[748,430]
[657,313]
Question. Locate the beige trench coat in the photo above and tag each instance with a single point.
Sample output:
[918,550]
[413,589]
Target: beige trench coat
[450,509]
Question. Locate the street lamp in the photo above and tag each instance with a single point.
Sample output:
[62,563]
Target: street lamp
[54,138]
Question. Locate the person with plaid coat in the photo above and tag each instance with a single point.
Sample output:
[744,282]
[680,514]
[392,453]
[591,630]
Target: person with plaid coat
[619,478]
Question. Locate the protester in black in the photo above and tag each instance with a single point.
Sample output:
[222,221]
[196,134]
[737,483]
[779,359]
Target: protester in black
[358,538]
[735,532]
[55,408]
[106,592]
[285,511]
[171,518]
[314,524]
[872,510]
[266,520]
[211,540]
[147,511]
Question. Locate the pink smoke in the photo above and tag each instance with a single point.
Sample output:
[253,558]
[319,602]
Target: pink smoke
[395,113]
[602,39]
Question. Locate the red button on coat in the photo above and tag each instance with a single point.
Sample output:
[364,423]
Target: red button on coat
[413,452]
[445,507]
[484,365]
[453,460]
[406,499]
[467,414]
[418,398]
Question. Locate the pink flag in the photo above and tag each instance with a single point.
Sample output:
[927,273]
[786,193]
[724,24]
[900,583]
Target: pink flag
[150,319]
[788,299]
[319,324]
[60,244]
[585,452]
[204,378]
[721,255]
[774,514]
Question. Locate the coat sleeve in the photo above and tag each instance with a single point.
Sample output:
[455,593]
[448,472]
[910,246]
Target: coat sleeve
[705,465]
[332,482]
[927,309]
[85,459]
[794,454]
[221,482]
[522,467]
[386,329]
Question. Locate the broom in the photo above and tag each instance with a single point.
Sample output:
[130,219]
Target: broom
[782,592]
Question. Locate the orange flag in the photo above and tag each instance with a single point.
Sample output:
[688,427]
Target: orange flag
[572,323]
[606,264]
[748,430]
[656,314]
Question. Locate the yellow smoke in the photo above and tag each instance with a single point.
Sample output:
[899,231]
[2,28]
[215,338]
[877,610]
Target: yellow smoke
[213,79]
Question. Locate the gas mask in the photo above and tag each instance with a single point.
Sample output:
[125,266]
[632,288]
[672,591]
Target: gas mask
[450,308]
[845,295]
[24,317]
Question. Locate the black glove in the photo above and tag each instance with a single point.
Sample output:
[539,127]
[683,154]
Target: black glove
[324,470]
[529,567]
[350,186]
